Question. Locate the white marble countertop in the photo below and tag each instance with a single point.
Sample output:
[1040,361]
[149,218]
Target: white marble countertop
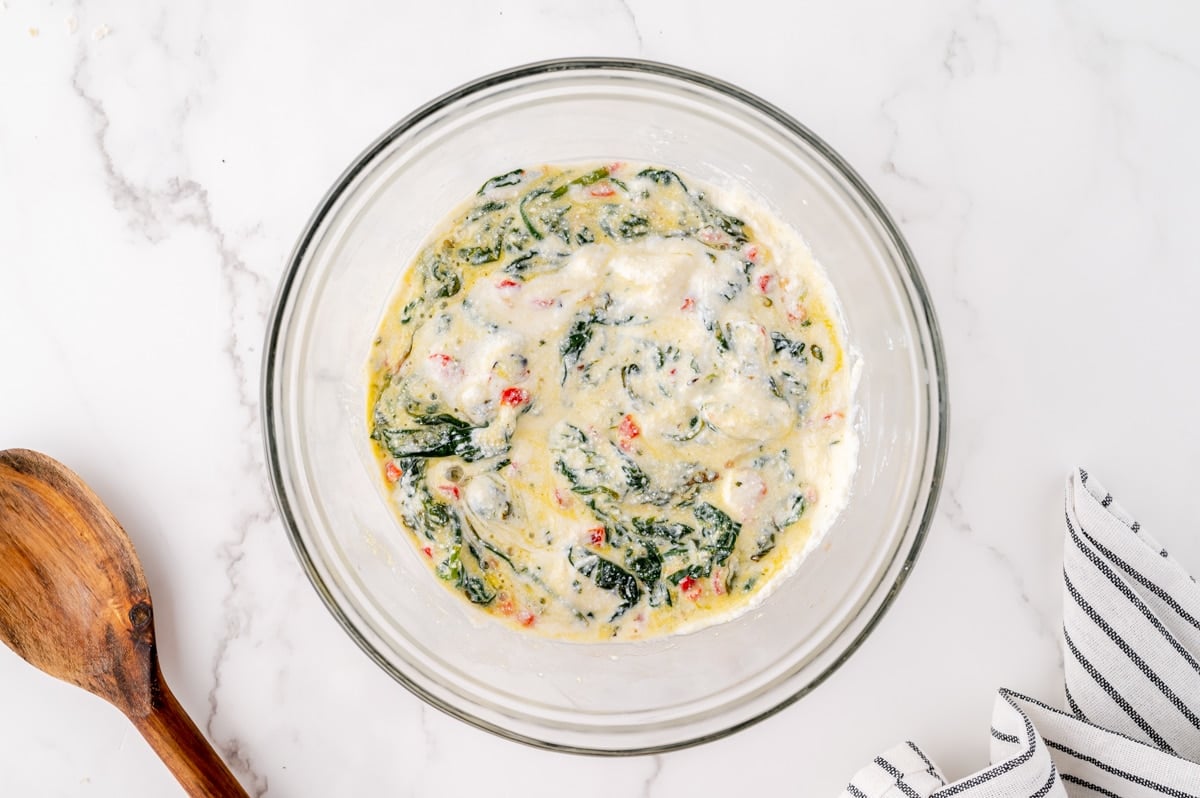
[157,163]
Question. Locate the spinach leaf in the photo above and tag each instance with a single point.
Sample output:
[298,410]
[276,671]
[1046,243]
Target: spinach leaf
[638,484]
[763,545]
[436,440]
[782,343]
[634,226]
[722,340]
[789,387]
[720,533]
[655,528]
[696,571]
[647,566]
[578,337]
[607,575]
[659,595]
[487,544]
[483,210]
[422,513]
[732,226]
[731,290]
[436,513]
[629,369]
[694,428]
[817,353]
[477,256]
[525,200]
[594,176]
[499,181]
[406,313]
[476,590]
[450,568]
[795,512]
[663,177]
[440,419]
[555,221]
[520,265]
[471,585]
[578,485]
[635,477]
[445,278]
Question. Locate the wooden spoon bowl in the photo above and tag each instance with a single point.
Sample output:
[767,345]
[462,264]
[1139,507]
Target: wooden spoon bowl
[74,603]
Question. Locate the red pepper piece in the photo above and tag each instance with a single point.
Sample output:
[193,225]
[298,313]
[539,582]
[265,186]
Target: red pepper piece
[514,396]
[627,430]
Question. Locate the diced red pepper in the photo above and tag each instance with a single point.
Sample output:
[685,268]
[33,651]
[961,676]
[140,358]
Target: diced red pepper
[764,282]
[628,430]
[450,490]
[442,360]
[392,472]
[615,166]
[602,190]
[688,303]
[526,617]
[560,499]
[514,396]
[544,303]
[507,282]
[428,551]
[689,588]
[831,416]
[752,254]
[596,536]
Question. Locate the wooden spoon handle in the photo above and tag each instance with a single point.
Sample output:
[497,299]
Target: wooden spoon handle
[181,746]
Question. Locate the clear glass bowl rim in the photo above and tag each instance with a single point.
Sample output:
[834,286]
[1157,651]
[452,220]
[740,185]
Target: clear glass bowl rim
[296,261]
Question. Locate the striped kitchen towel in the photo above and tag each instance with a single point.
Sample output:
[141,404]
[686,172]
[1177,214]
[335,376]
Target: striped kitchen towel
[1131,638]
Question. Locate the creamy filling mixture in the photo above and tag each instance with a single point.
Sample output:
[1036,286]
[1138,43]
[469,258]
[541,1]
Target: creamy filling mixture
[608,405]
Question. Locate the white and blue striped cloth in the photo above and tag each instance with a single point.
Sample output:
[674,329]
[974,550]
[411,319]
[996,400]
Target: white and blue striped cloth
[1131,637]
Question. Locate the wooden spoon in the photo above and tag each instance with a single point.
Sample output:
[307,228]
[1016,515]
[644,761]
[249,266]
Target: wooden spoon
[74,603]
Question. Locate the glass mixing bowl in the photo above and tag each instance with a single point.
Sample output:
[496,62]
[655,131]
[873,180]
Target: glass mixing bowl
[615,698]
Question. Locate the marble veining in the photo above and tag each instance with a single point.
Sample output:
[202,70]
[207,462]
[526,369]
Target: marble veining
[157,165]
